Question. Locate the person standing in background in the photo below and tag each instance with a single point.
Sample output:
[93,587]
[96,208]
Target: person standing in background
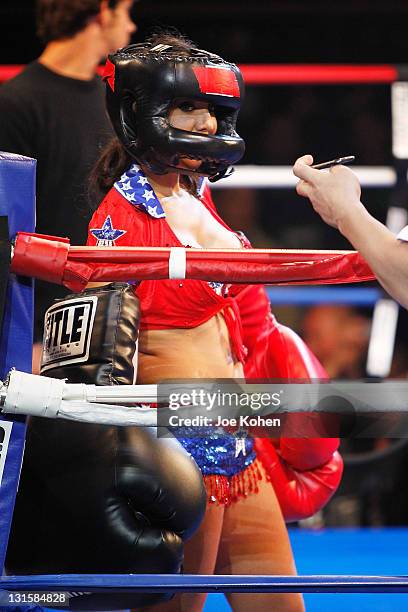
[338,335]
[54,111]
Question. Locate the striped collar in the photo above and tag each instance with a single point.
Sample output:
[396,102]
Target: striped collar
[135,187]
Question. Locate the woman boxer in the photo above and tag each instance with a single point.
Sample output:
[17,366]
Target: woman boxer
[174,110]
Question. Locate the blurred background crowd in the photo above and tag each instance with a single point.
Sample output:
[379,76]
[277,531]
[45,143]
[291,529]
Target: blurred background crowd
[279,123]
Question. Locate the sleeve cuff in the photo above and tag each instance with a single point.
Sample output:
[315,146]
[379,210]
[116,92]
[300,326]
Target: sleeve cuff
[403,234]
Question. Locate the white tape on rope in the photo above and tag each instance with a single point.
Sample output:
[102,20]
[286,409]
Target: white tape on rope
[177,263]
[35,395]
[282,177]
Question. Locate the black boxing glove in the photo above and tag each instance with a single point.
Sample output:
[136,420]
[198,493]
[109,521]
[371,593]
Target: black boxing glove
[95,498]
[91,337]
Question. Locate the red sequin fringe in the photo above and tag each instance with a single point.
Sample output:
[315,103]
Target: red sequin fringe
[225,490]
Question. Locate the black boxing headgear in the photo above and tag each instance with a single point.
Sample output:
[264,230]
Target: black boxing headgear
[144,81]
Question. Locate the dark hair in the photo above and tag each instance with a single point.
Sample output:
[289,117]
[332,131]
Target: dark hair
[170,36]
[114,159]
[110,166]
[58,19]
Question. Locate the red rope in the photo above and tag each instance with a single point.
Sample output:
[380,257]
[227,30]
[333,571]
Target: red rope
[330,74]
[290,74]
[52,259]
[129,255]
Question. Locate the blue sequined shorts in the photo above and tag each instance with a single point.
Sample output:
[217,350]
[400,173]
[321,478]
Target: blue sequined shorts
[217,452]
[227,462]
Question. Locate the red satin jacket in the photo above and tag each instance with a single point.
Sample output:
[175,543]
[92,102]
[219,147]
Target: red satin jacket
[166,304]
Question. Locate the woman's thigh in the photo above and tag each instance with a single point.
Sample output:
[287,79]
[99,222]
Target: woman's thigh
[254,540]
[200,555]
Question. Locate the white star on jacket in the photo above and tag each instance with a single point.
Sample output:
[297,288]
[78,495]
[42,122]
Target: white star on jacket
[126,186]
[148,195]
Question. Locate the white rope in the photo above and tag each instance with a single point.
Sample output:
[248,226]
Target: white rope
[119,394]
[33,395]
[44,397]
[279,177]
[107,414]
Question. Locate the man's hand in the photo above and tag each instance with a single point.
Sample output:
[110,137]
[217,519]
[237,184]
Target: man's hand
[334,194]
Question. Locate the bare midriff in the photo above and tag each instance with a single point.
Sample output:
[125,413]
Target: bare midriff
[199,352]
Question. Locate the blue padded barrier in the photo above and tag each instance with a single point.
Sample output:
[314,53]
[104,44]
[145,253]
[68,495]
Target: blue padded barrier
[17,202]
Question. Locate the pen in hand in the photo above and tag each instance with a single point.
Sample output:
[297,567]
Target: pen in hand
[334,162]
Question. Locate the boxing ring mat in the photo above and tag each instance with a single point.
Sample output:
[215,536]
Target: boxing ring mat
[17,203]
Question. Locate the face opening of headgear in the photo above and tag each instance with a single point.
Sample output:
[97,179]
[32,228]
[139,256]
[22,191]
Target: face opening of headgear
[144,81]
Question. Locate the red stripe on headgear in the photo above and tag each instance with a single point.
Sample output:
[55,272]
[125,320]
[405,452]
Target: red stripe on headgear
[109,74]
[218,81]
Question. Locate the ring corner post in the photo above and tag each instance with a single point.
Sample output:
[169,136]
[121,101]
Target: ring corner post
[17,206]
